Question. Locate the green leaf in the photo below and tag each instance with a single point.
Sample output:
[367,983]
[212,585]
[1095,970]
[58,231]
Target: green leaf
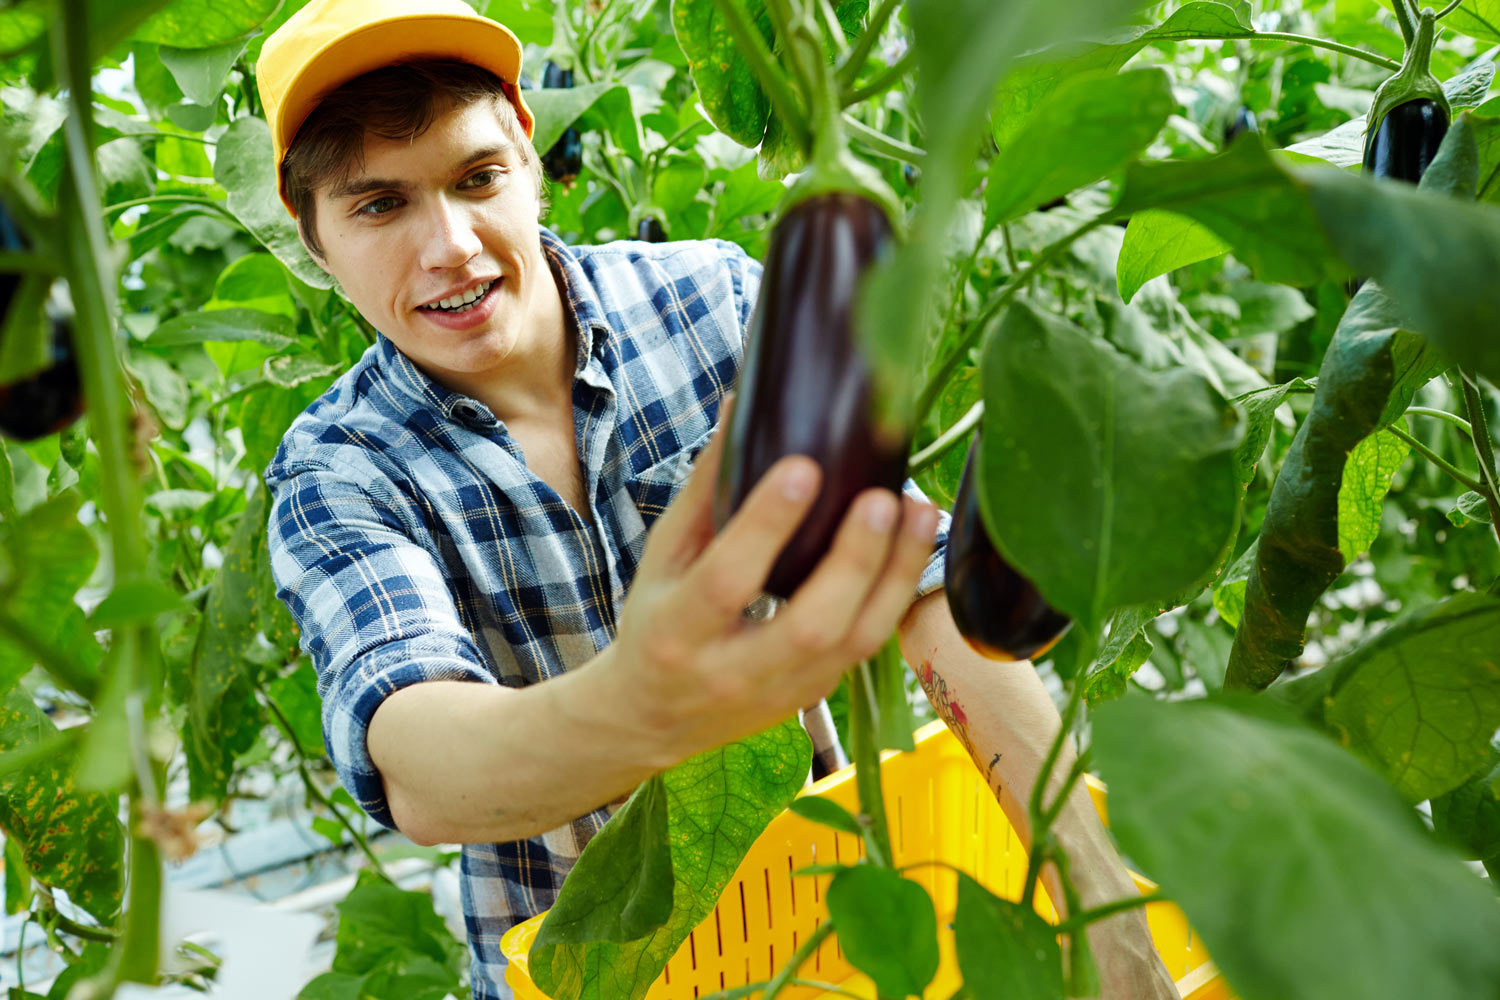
[1229,591]
[718,802]
[887,928]
[625,883]
[1369,368]
[1468,508]
[296,695]
[828,813]
[557,108]
[1366,481]
[70,839]
[200,24]
[1422,699]
[1157,243]
[531,20]
[1260,419]
[231,325]
[135,602]
[201,72]
[244,167]
[51,555]
[1479,18]
[1004,949]
[1087,128]
[1305,874]
[377,920]
[1469,815]
[1246,200]
[1071,420]
[165,387]
[727,87]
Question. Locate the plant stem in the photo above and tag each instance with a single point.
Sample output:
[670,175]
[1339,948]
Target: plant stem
[996,305]
[1438,460]
[854,62]
[781,22]
[1043,843]
[950,437]
[1086,917]
[864,751]
[1449,9]
[173,199]
[803,953]
[1321,43]
[750,44]
[884,144]
[884,81]
[1404,19]
[62,668]
[1452,418]
[1484,448]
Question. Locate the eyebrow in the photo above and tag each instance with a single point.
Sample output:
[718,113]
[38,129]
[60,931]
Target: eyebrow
[355,187]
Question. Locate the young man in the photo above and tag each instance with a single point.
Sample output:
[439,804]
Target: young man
[460,523]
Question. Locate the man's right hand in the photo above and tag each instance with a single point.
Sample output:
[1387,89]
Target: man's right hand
[692,670]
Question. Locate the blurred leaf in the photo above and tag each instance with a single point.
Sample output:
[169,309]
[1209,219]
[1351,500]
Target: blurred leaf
[1422,698]
[1004,949]
[70,839]
[1366,481]
[296,695]
[200,72]
[199,24]
[718,802]
[1087,128]
[1290,857]
[1072,420]
[826,812]
[1469,815]
[886,927]
[378,920]
[136,602]
[531,20]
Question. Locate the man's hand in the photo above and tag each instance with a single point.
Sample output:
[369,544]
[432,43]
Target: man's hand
[686,663]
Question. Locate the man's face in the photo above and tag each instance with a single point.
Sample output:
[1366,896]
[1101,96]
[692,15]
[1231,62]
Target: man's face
[426,226]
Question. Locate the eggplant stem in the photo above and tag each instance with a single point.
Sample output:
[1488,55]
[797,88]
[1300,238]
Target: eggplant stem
[956,434]
[1404,18]
[882,143]
[1484,448]
[1449,9]
[854,61]
[883,82]
[1323,43]
[1458,476]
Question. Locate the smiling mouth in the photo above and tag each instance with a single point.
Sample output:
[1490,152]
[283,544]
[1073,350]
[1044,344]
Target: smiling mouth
[464,301]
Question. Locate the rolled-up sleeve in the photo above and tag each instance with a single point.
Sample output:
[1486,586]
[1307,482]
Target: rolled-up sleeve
[932,576]
[375,612]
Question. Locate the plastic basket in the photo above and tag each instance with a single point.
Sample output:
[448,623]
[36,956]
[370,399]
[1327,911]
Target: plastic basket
[939,809]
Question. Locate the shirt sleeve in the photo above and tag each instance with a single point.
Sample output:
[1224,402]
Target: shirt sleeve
[932,576]
[374,609]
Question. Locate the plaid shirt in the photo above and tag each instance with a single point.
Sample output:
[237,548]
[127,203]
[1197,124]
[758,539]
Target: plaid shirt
[411,543]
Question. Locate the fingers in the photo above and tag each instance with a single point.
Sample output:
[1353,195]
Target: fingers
[892,594]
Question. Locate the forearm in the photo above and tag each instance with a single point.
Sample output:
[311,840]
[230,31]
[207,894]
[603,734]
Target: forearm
[1003,715]
[477,763]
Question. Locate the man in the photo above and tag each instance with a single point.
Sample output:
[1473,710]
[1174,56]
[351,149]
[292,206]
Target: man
[460,523]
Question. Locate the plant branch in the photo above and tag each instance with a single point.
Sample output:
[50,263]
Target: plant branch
[1323,43]
[752,47]
[993,308]
[854,62]
[789,971]
[1452,418]
[177,199]
[1442,463]
[946,440]
[1484,448]
[884,144]
[1086,917]
[865,754]
[1449,9]
[1404,18]
[883,82]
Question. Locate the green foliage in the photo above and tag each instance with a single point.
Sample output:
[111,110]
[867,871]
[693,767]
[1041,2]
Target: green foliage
[1005,949]
[886,927]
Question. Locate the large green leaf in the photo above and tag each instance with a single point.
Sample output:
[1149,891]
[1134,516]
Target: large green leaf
[1004,949]
[1303,871]
[1089,127]
[886,926]
[1469,815]
[1137,468]
[69,838]
[1157,243]
[275,332]
[200,72]
[718,802]
[1366,481]
[245,167]
[727,87]
[1422,699]
[1480,18]
[558,107]
[624,879]
[201,24]
[50,555]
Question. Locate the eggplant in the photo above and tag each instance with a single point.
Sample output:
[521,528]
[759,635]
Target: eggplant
[1407,140]
[50,400]
[806,388]
[997,610]
[1244,121]
[650,230]
[564,160]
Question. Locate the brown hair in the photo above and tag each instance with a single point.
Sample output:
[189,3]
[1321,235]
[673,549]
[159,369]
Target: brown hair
[393,102]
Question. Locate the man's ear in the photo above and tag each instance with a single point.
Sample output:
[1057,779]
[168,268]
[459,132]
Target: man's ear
[317,258]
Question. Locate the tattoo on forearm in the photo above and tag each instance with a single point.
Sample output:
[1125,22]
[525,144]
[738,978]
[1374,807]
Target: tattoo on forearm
[946,703]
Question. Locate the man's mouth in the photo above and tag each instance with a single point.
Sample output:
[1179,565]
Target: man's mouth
[463,301]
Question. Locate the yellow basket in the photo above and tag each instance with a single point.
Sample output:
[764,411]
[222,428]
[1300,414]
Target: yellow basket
[939,809]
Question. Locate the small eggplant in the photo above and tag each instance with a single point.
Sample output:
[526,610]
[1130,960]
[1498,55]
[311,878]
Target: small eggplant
[650,230]
[1244,121]
[48,401]
[805,388]
[564,160]
[1407,140]
[997,610]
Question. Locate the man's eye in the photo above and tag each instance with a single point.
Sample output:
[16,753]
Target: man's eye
[482,179]
[380,206]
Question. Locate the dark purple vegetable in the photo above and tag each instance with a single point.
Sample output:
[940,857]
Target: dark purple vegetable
[805,388]
[650,230]
[996,609]
[52,399]
[564,160]
[1244,121]
[1407,140]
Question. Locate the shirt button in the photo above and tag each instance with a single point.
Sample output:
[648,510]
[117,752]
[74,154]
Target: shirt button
[465,410]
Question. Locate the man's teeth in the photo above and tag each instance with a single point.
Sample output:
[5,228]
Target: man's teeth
[457,303]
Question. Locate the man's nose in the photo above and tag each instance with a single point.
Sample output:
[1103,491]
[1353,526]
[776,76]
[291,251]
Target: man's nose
[448,239]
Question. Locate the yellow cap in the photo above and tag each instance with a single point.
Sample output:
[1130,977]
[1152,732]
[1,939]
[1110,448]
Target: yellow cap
[330,42]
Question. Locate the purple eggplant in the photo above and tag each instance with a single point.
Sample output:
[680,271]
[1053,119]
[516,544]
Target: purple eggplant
[48,401]
[806,388]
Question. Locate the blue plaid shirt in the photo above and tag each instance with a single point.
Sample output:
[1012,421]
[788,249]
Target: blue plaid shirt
[411,543]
